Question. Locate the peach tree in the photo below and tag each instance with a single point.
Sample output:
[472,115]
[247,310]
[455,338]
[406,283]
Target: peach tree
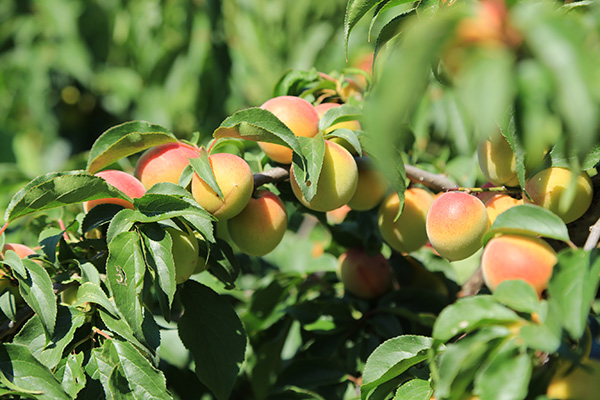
[343,240]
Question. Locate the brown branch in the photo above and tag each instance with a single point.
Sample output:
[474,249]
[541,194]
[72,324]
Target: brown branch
[437,182]
[593,237]
[274,175]
[473,285]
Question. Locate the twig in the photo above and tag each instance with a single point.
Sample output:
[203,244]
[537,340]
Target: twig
[473,285]
[277,174]
[593,237]
[438,182]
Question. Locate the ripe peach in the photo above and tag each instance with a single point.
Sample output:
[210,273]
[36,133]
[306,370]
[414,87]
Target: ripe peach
[21,250]
[372,186]
[499,203]
[363,275]
[509,257]
[259,228]
[126,183]
[337,182]
[408,232]
[338,215]
[235,179]
[456,223]
[297,114]
[164,163]
[185,253]
[547,186]
[497,161]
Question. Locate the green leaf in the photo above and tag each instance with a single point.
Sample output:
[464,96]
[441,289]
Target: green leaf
[392,358]
[209,318]
[90,292]
[203,168]
[573,287]
[307,174]
[8,304]
[58,189]
[508,368]
[49,239]
[22,369]
[546,336]
[355,11]
[38,293]
[124,140]
[531,220]
[518,295]
[15,263]
[471,313]
[50,352]
[72,375]
[294,81]
[392,29]
[335,115]
[350,136]
[222,262]
[258,125]
[311,373]
[121,328]
[125,269]
[100,367]
[415,389]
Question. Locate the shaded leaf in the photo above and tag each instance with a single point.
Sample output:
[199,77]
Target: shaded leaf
[38,293]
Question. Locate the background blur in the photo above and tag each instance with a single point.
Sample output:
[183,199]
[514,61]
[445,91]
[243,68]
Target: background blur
[70,69]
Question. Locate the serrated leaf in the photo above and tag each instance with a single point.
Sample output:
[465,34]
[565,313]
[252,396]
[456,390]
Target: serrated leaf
[470,313]
[38,293]
[393,357]
[203,168]
[518,295]
[307,174]
[349,136]
[72,375]
[573,287]
[124,140]
[293,81]
[392,29]
[121,328]
[50,352]
[355,11]
[258,125]
[90,292]
[209,318]
[8,304]
[15,263]
[530,220]
[99,215]
[25,371]
[415,389]
[125,269]
[58,189]
[335,115]
[222,262]
[89,273]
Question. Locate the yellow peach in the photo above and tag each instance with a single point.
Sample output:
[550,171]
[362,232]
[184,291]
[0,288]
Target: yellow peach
[497,161]
[499,203]
[372,186]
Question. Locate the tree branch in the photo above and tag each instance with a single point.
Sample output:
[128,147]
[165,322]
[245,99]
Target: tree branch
[437,182]
[274,175]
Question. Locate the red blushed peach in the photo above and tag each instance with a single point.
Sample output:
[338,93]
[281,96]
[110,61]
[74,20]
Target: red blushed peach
[259,228]
[337,182]
[235,179]
[164,163]
[407,233]
[510,257]
[499,203]
[298,115]
[126,183]
[372,186]
[21,250]
[456,223]
[363,275]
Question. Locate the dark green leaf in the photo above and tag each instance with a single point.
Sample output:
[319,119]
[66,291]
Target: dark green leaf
[311,373]
[203,168]
[392,358]
[531,220]
[307,174]
[22,369]
[72,375]
[415,389]
[573,287]
[120,327]
[355,11]
[209,318]
[222,262]
[124,140]
[470,313]
[58,189]
[518,295]
[49,239]
[38,293]
[90,292]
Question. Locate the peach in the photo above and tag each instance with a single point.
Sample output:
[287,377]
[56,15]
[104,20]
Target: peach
[456,223]
[337,216]
[259,228]
[407,233]
[363,275]
[185,250]
[126,183]
[499,203]
[234,177]
[497,161]
[164,163]
[547,187]
[21,250]
[337,182]
[510,257]
[372,186]
[298,115]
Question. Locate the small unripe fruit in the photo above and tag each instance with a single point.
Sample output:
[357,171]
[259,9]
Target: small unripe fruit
[509,257]
[456,223]
[126,183]
[372,186]
[407,233]
[499,203]
[164,163]
[547,187]
[497,161]
[337,182]
[235,179]
[185,253]
[363,275]
[298,115]
[259,228]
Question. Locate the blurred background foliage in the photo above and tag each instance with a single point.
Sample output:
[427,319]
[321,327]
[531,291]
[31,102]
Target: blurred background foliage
[70,69]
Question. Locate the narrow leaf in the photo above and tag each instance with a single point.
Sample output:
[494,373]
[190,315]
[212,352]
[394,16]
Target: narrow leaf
[38,293]
[355,11]
[203,168]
